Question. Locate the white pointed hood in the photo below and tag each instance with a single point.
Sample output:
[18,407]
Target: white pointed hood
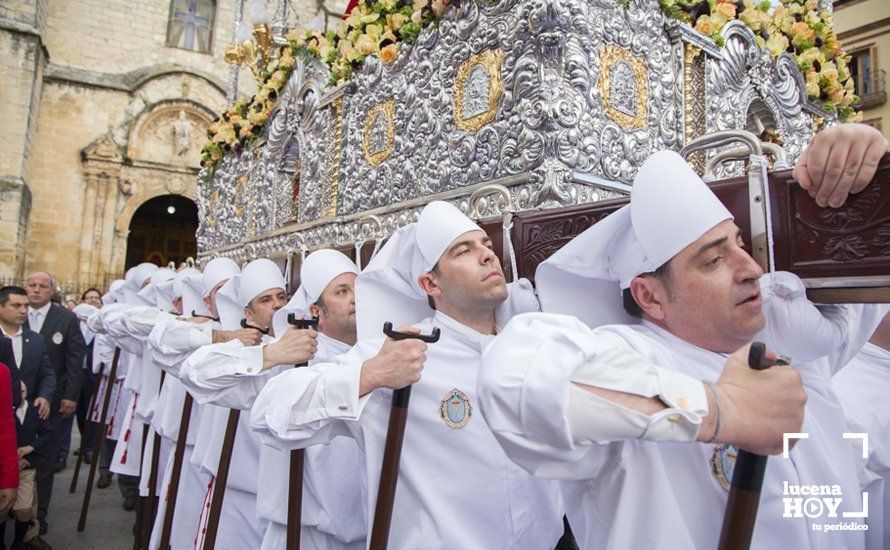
[387,289]
[670,208]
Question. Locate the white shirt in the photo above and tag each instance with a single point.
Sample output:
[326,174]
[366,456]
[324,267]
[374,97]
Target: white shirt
[106,342]
[36,317]
[16,345]
[139,323]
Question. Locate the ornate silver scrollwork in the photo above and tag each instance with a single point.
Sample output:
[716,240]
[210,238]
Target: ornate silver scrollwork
[747,74]
[571,124]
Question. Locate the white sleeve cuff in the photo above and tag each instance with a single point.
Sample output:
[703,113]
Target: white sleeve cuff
[341,388]
[593,419]
[250,361]
[687,404]
[200,335]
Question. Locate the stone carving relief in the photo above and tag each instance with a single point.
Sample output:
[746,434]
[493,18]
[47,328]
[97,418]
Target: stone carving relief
[170,134]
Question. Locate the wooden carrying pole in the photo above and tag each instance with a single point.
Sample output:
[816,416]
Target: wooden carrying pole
[222,470]
[178,460]
[392,451]
[83,437]
[97,440]
[141,502]
[297,458]
[153,476]
[747,482]
[222,476]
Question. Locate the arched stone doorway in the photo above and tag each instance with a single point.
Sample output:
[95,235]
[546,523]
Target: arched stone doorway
[162,230]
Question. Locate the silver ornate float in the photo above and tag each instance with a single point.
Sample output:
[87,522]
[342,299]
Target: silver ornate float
[555,102]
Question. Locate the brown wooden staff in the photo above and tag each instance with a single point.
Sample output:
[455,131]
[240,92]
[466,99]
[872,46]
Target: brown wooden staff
[295,499]
[392,451]
[297,458]
[178,459]
[83,436]
[141,502]
[747,481]
[225,460]
[97,441]
[153,476]
[222,475]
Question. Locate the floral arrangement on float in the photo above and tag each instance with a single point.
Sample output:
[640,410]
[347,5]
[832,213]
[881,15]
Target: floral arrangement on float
[380,28]
[796,27]
[371,28]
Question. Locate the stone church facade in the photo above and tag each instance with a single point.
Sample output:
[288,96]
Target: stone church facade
[104,105]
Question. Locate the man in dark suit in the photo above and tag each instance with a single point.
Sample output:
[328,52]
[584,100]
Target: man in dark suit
[29,365]
[29,351]
[60,330]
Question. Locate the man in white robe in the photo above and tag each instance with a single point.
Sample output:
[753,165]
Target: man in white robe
[254,295]
[232,375]
[171,341]
[456,487]
[701,296]
[103,354]
[164,420]
[139,323]
[126,461]
[864,388]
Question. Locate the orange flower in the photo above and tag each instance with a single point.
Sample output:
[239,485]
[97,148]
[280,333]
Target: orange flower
[388,54]
[705,25]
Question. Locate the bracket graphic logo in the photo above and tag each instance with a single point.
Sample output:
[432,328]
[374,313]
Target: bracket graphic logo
[818,501]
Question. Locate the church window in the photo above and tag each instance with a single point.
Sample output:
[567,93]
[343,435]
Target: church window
[190,26]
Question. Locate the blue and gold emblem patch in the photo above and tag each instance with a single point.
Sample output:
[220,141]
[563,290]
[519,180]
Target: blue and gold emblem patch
[455,409]
[723,463]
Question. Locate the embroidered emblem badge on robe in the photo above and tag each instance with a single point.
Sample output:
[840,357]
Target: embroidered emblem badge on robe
[57,338]
[723,463]
[455,409]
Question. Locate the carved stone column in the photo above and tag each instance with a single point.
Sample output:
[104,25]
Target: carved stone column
[102,162]
[119,251]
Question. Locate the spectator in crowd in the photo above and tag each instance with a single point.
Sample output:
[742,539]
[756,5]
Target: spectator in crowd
[33,382]
[91,297]
[60,330]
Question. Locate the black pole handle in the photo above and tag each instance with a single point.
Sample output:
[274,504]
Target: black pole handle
[212,318]
[749,467]
[302,324]
[401,397]
[245,324]
[757,356]
[396,335]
